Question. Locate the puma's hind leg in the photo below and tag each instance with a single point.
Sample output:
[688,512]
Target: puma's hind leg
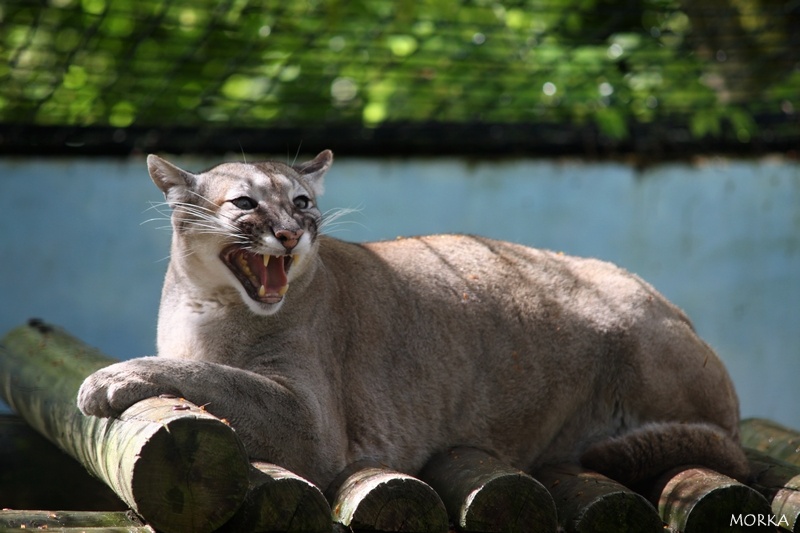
[654,448]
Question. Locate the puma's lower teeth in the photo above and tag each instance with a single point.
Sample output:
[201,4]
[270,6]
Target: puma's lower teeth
[262,291]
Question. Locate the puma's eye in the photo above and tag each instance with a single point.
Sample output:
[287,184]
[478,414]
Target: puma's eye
[302,202]
[244,202]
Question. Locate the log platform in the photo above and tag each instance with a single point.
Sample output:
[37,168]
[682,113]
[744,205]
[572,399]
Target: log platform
[589,502]
[171,466]
[482,493]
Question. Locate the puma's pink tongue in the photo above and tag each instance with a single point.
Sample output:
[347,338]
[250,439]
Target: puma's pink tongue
[275,275]
[272,275]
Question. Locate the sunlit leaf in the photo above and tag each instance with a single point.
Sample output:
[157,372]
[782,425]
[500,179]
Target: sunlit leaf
[402,45]
[122,114]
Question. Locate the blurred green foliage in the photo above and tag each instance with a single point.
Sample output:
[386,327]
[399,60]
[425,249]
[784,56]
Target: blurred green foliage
[269,62]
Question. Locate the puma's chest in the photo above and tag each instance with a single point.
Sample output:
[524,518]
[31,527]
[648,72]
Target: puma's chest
[190,328]
[207,330]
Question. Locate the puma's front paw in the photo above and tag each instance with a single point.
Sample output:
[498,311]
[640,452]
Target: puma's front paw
[112,389]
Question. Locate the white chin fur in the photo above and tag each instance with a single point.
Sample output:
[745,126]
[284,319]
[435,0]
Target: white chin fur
[262,309]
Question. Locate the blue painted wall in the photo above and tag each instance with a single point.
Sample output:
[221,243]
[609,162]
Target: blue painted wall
[721,239]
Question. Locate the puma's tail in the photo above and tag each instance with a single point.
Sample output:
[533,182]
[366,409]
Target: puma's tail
[646,452]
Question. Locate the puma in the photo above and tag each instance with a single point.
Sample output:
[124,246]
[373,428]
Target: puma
[322,353]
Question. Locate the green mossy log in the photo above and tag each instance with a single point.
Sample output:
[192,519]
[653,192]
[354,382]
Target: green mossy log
[72,521]
[589,502]
[177,466]
[771,438]
[779,482]
[373,498]
[699,500]
[279,500]
[35,474]
[481,493]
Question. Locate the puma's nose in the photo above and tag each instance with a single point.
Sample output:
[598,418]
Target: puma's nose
[288,238]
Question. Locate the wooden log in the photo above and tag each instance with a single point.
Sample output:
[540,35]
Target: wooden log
[590,502]
[373,498]
[779,482]
[699,500]
[279,500]
[771,438]
[72,521]
[35,474]
[177,466]
[481,493]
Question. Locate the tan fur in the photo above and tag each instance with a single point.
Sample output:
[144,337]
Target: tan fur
[395,351]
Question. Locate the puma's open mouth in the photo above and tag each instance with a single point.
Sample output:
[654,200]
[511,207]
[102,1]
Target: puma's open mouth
[262,276]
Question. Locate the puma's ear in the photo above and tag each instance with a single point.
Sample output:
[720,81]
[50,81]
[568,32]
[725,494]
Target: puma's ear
[173,181]
[314,171]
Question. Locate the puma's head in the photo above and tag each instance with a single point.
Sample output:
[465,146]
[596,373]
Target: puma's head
[251,226]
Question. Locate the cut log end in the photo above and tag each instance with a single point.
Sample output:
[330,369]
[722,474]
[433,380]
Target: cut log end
[509,504]
[617,512]
[590,502]
[203,478]
[279,500]
[481,493]
[698,500]
[378,499]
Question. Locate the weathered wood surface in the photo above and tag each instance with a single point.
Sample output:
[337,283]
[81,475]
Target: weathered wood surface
[771,438]
[779,482]
[589,502]
[279,500]
[699,500]
[372,498]
[72,521]
[35,474]
[177,466]
[182,469]
[484,494]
